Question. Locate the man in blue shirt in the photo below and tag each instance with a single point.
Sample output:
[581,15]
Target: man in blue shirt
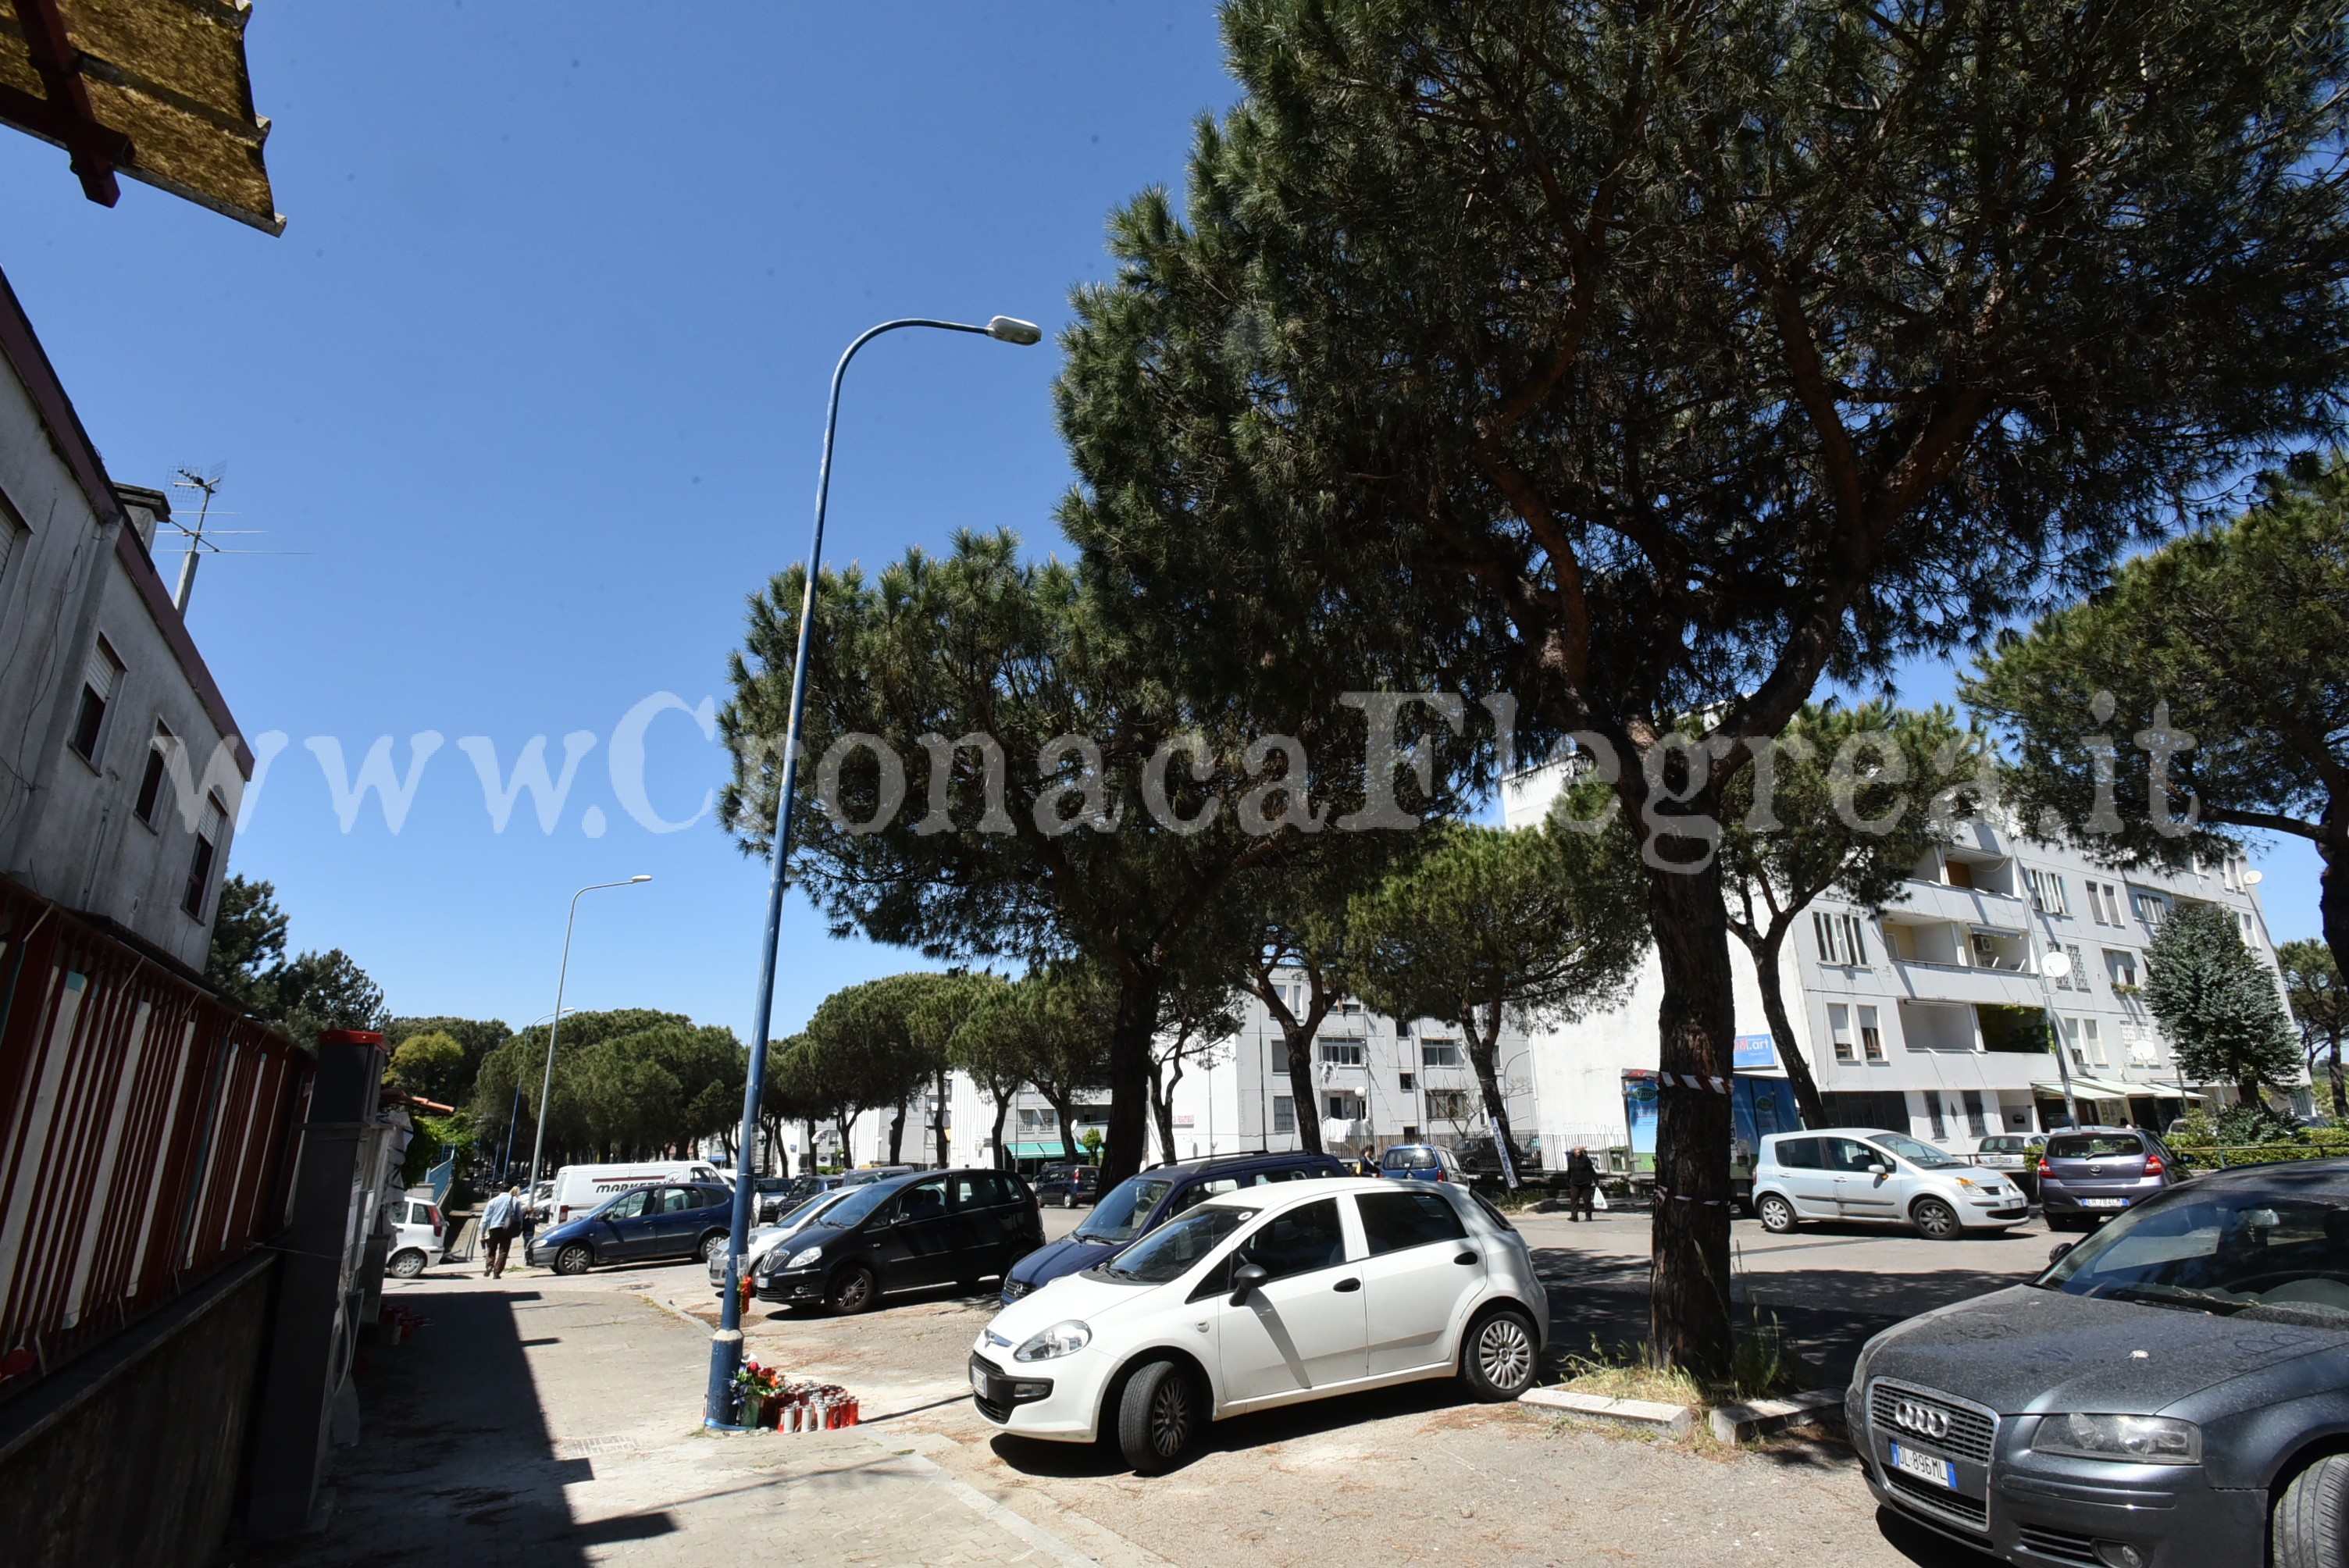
[501,1217]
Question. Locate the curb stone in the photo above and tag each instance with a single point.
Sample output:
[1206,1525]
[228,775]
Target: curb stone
[1743,1423]
[1671,1421]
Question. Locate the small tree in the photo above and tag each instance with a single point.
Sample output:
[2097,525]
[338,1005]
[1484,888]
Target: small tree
[1542,924]
[1196,1013]
[1831,807]
[990,1051]
[866,1035]
[2219,1004]
[433,1066]
[2320,1006]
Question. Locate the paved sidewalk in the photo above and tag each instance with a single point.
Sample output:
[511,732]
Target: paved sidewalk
[556,1422]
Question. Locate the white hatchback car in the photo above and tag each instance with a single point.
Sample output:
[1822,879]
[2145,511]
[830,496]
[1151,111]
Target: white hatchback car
[1864,1173]
[1267,1296]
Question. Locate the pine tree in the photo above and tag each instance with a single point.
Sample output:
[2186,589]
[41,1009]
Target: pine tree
[2219,1004]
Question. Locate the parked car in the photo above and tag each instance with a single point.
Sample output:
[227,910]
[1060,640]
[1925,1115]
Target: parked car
[1066,1186]
[1869,1175]
[2091,1173]
[579,1190]
[2172,1390]
[1140,1205]
[764,1240]
[927,1229]
[2015,1155]
[667,1220]
[419,1237]
[872,1173]
[778,1195]
[1421,1163]
[1306,1290]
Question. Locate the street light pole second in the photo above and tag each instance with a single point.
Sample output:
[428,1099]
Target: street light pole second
[726,1346]
[554,1028]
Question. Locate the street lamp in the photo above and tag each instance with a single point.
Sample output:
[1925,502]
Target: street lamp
[513,1112]
[555,1027]
[726,1346]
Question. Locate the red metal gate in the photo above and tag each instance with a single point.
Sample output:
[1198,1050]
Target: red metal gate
[149,1136]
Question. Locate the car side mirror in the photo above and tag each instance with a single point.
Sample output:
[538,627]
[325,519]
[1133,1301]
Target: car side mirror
[2055,1254]
[1246,1278]
[1879,1171]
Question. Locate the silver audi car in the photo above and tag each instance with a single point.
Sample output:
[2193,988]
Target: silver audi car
[2174,1390]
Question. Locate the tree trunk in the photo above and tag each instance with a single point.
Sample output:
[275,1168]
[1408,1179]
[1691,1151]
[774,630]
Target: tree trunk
[1002,1112]
[1166,1111]
[2340,1089]
[1689,1315]
[1127,1146]
[2247,1089]
[847,1157]
[1484,1046]
[938,1125]
[1161,1120]
[1764,949]
[807,1148]
[1063,1113]
[1302,1093]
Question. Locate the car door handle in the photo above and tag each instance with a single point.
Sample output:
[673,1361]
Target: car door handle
[1348,1285]
[1465,1258]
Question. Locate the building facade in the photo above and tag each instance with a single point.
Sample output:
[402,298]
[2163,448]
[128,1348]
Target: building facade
[121,768]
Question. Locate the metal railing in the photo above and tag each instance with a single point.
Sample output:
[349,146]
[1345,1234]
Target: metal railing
[148,1134]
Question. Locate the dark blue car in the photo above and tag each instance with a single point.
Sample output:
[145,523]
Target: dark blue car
[1141,1203]
[672,1220]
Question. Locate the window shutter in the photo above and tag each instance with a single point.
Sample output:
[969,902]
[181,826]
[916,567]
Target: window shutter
[101,671]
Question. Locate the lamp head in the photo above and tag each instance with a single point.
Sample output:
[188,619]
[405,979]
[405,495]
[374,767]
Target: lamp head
[1011,329]
[641,876]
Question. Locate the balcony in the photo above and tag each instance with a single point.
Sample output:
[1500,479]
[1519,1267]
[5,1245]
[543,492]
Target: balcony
[1930,901]
[1974,986]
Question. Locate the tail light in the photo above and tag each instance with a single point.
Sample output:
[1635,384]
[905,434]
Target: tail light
[434,1211]
[2043,1170]
[564,1212]
[1439,1174]
[2153,1166]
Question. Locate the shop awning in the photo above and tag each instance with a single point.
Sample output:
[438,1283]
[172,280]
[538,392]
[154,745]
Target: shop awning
[2108,1088]
[1043,1151]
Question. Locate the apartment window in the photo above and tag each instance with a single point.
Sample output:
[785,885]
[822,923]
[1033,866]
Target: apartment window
[9,534]
[2085,1043]
[2104,903]
[2093,1039]
[151,782]
[200,865]
[2075,978]
[2231,871]
[1933,1115]
[1447,1104]
[1283,1114]
[2120,968]
[2250,933]
[1839,1030]
[2150,907]
[1840,942]
[100,678]
[1976,1125]
[1341,1053]
[2072,1043]
[1405,1082]
[1439,1053]
[2046,892]
[1032,1120]
[1871,1039]
[1345,1107]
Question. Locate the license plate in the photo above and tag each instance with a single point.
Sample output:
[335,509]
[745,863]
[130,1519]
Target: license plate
[978,1382]
[2104,1202]
[1925,1467]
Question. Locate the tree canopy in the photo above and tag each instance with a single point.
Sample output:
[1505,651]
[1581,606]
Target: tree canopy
[298,997]
[628,1082]
[1631,362]
[2319,1006]
[2218,1002]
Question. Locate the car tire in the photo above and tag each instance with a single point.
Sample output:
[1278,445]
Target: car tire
[1777,1214]
[1159,1414]
[1498,1354]
[575,1259]
[406,1264]
[850,1291]
[2310,1528]
[1935,1220]
[712,1245]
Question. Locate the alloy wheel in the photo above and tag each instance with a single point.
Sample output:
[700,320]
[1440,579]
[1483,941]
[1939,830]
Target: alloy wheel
[1170,1417]
[1504,1353]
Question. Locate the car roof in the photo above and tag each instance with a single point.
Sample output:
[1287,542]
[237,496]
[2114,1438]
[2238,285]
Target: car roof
[1213,1163]
[1836,1132]
[1286,1194]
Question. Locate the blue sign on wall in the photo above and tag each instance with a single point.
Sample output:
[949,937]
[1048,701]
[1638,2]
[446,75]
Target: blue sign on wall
[1755,1051]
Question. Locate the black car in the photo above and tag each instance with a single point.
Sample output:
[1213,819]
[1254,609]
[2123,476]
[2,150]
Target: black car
[2174,1390]
[671,1219]
[779,1196]
[1066,1186]
[903,1234]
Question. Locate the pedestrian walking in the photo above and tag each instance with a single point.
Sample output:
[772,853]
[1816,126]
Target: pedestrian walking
[1581,1183]
[501,1216]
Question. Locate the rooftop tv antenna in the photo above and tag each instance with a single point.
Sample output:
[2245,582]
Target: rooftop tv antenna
[209,484]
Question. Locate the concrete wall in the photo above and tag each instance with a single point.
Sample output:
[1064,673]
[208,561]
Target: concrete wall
[133,1453]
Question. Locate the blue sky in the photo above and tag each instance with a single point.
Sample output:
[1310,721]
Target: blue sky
[528,398]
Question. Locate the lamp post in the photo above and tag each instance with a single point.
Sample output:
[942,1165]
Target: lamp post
[554,1024]
[726,1346]
[514,1112]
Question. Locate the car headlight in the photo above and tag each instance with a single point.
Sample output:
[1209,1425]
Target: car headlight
[2142,1440]
[1060,1339]
[803,1257]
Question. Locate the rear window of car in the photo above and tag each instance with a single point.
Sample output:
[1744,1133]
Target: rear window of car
[1797,1153]
[1393,1222]
[2092,1145]
[1409,1158]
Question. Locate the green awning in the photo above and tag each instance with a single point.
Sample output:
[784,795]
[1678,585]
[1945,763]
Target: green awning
[1043,1151]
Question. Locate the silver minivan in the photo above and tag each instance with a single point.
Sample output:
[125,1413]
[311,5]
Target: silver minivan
[1869,1175]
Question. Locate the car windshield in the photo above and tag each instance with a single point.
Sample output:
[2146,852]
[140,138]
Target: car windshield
[859,1203]
[1923,1155]
[2277,1248]
[809,1211]
[1169,1252]
[2093,1145]
[1409,1158]
[1120,1216]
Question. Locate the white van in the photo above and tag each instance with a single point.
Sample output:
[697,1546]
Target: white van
[578,1188]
